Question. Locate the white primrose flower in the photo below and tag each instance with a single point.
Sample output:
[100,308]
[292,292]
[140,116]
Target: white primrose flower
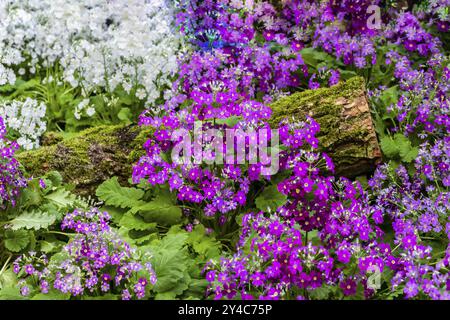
[98,43]
[26,119]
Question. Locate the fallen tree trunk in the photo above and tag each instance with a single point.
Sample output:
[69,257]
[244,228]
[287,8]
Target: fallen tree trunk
[347,133]
[90,157]
[97,154]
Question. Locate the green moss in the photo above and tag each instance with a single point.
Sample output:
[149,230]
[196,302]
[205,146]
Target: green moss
[320,103]
[89,157]
[346,139]
[52,138]
[137,151]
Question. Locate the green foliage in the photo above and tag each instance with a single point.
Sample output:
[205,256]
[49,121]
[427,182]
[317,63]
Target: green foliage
[115,195]
[138,212]
[270,199]
[16,241]
[33,220]
[162,210]
[31,223]
[399,147]
[178,259]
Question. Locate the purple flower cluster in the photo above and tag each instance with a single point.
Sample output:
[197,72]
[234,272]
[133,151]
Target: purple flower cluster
[418,208]
[245,57]
[11,177]
[95,261]
[436,13]
[423,107]
[316,239]
[407,31]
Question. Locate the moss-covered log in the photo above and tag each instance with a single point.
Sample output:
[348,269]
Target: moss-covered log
[94,155]
[347,133]
[88,158]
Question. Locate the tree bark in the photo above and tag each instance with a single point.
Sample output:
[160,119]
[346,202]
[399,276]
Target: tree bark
[97,154]
[347,133]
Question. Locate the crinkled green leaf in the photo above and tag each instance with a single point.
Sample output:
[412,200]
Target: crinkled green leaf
[16,240]
[161,210]
[62,198]
[169,262]
[33,220]
[115,195]
[51,295]
[125,115]
[131,221]
[204,244]
[11,293]
[389,147]
[407,152]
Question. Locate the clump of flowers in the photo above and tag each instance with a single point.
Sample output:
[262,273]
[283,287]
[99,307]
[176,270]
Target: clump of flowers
[11,176]
[435,12]
[320,237]
[418,205]
[101,45]
[200,180]
[423,107]
[407,31]
[26,119]
[95,261]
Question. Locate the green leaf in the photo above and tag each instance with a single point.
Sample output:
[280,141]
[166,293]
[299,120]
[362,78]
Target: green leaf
[16,240]
[55,177]
[408,155]
[11,293]
[231,122]
[270,199]
[33,220]
[62,198]
[115,213]
[407,152]
[161,210]
[51,295]
[125,115]
[108,296]
[313,57]
[204,244]
[389,147]
[197,287]
[166,296]
[170,262]
[115,195]
[389,96]
[8,279]
[130,221]
[321,293]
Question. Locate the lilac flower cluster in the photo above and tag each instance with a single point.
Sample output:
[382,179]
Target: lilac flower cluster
[423,107]
[407,31]
[437,13]
[314,240]
[95,261]
[418,208]
[11,177]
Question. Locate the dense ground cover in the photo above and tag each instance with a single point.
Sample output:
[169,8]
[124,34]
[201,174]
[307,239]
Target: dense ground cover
[180,225]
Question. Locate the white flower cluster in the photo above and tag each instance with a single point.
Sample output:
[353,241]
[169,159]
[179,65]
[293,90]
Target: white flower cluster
[98,43]
[26,119]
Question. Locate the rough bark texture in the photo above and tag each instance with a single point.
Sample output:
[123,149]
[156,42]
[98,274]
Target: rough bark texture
[95,155]
[347,133]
